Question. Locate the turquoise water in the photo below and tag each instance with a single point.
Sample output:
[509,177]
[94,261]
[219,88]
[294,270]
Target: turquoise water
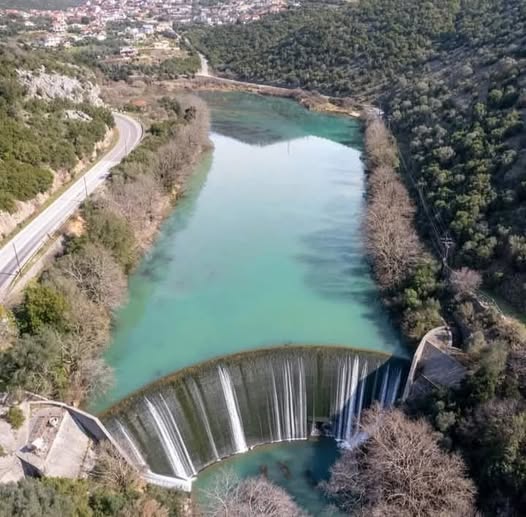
[265,249]
[298,467]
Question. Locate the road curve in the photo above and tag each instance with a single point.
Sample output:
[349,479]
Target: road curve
[30,239]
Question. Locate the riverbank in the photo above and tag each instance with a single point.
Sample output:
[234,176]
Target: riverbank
[406,272]
[310,100]
[63,322]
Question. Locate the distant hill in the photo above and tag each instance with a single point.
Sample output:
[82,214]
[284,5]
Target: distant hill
[43,5]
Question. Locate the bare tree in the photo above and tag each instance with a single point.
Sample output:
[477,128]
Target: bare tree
[113,470]
[136,200]
[96,274]
[399,471]
[251,497]
[175,157]
[391,239]
[151,508]
[380,144]
[465,281]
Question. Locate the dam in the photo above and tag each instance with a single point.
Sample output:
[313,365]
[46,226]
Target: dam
[180,424]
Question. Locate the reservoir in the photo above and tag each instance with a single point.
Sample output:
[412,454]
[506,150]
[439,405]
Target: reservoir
[254,322]
[265,248]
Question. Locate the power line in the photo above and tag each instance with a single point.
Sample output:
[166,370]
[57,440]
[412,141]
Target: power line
[442,241]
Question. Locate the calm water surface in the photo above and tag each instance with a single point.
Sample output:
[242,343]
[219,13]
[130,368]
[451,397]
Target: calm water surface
[264,250]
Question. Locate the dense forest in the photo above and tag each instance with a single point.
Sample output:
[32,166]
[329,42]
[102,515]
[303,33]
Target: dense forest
[39,135]
[450,78]
[347,50]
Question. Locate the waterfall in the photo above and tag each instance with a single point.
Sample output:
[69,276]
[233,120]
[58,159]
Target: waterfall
[170,436]
[383,389]
[199,399]
[341,390]
[236,425]
[131,447]
[178,425]
[350,416]
[393,392]
[344,412]
[360,397]
[294,401]
[302,390]
[276,408]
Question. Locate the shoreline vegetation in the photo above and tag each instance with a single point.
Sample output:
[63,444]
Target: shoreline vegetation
[313,101]
[408,276]
[54,340]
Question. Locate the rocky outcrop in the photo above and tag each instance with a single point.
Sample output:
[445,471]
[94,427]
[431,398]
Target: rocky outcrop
[47,86]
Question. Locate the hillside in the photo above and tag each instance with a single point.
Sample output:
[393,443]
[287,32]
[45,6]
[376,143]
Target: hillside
[51,118]
[451,77]
[342,51]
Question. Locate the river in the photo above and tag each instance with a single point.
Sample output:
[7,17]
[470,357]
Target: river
[265,249]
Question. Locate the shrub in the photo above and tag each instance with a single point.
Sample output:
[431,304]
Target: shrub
[15,417]
[416,322]
[43,306]
[111,231]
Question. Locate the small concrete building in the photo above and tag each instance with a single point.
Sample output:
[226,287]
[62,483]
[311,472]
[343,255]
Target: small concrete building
[55,440]
[57,445]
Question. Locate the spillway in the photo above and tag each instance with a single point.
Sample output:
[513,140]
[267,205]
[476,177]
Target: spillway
[188,420]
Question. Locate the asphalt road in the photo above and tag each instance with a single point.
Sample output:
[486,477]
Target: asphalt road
[29,240]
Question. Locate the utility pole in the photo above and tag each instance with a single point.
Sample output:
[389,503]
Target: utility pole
[85,186]
[17,259]
[448,244]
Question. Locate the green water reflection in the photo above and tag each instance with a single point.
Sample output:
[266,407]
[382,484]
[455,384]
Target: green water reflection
[265,249]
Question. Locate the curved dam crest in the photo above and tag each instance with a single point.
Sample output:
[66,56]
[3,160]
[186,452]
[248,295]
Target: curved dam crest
[178,425]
